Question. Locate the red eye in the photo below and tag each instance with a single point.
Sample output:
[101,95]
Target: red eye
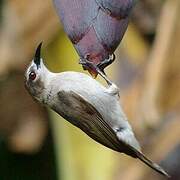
[32,76]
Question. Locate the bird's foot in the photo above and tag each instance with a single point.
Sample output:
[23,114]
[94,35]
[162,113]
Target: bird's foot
[106,62]
[86,64]
[94,69]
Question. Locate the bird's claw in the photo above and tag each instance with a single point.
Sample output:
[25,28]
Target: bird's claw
[106,62]
[88,65]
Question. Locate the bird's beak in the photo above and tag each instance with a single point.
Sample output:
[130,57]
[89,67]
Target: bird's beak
[37,56]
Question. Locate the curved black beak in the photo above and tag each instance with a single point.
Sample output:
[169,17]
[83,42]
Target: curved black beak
[37,55]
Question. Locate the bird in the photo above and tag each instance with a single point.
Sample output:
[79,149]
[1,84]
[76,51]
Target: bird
[86,104]
[95,27]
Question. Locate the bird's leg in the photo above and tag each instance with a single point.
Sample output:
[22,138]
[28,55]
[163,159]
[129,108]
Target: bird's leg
[106,62]
[90,66]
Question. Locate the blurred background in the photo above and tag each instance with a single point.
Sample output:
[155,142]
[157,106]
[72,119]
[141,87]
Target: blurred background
[36,143]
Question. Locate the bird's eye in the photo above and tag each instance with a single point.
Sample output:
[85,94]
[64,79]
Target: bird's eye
[32,76]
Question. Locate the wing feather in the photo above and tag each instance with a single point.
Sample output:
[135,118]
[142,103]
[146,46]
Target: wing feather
[85,116]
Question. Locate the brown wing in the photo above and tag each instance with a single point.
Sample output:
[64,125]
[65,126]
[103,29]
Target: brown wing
[84,115]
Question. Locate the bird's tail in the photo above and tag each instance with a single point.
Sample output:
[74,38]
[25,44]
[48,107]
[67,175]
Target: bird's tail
[138,154]
[151,164]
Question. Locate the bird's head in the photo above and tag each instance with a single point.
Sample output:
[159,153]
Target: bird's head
[36,76]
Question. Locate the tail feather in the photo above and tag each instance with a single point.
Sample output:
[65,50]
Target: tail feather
[151,164]
[132,151]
